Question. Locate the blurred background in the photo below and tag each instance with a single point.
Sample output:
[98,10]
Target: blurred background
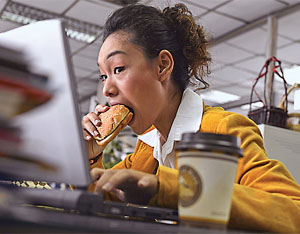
[243,35]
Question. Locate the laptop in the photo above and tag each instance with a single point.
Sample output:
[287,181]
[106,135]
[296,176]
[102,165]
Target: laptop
[52,132]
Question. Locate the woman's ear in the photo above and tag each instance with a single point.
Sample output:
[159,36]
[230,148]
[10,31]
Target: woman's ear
[166,64]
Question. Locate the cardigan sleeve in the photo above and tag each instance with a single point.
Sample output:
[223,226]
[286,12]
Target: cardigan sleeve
[167,195]
[142,159]
[265,196]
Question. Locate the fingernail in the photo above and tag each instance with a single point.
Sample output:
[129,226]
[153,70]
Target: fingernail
[88,137]
[97,121]
[107,187]
[95,133]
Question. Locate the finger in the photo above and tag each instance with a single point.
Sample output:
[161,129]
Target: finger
[122,179]
[86,135]
[119,193]
[103,184]
[94,118]
[112,179]
[89,123]
[96,173]
[100,108]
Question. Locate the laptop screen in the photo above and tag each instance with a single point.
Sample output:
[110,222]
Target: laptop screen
[51,132]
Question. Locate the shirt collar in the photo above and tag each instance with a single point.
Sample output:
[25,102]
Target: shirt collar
[188,119]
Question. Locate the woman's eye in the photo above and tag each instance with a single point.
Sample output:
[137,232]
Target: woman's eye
[102,77]
[118,70]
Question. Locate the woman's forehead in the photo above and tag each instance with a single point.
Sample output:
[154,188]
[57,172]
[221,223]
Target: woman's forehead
[118,41]
[112,43]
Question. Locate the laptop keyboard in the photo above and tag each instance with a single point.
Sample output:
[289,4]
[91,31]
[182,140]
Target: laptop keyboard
[93,204]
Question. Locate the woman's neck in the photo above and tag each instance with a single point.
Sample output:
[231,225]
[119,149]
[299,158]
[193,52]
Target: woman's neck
[165,121]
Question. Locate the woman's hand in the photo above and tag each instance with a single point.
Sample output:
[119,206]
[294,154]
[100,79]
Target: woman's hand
[89,123]
[129,185]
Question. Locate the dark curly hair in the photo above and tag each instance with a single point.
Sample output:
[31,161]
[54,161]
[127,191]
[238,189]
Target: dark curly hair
[173,29]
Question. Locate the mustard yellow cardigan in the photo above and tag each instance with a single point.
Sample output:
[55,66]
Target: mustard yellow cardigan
[265,196]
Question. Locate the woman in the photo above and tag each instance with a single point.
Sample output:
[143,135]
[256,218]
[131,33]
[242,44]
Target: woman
[147,60]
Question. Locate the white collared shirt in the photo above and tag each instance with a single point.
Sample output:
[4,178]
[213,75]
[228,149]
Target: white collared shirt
[188,119]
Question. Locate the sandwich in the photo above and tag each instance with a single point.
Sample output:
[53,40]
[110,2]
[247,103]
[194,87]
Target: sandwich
[112,122]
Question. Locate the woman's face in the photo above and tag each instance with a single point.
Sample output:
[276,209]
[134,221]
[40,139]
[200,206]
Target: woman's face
[130,79]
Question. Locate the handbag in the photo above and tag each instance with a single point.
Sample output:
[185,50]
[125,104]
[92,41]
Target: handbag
[269,114]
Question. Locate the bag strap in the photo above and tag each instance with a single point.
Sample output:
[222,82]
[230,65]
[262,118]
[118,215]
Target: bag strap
[263,73]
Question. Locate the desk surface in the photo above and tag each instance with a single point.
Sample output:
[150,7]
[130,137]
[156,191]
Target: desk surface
[36,220]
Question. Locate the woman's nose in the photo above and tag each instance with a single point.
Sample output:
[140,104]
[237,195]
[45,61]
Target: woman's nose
[109,88]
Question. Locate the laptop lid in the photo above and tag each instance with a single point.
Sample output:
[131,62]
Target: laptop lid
[52,132]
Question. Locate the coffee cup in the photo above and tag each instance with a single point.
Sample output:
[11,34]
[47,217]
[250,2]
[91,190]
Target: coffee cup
[207,165]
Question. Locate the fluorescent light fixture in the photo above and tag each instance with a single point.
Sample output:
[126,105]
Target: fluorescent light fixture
[219,96]
[79,36]
[255,105]
[76,29]
[16,18]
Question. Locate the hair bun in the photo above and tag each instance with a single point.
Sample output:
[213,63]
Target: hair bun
[191,37]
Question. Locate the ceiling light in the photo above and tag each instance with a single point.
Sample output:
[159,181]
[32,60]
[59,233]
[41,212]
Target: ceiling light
[219,96]
[76,29]
[16,18]
[79,36]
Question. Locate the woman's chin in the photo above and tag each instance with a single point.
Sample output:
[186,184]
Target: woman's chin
[134,127]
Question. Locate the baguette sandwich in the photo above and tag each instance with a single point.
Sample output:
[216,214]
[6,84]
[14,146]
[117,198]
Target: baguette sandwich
[112,122]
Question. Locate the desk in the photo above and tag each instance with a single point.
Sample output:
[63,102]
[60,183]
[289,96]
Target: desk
[36,220]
